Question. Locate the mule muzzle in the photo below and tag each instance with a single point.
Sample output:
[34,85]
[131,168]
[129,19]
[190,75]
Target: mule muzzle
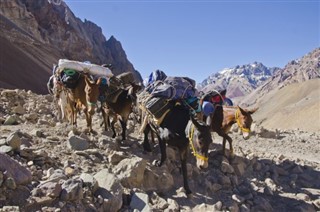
[202,164]
[245,135]
[91,107]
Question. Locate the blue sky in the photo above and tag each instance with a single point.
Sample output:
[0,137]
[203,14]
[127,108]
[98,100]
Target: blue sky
[198,38]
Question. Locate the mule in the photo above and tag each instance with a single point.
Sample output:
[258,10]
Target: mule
[180,130]
[56,89]
[122,107]
[84,95]
[222,119]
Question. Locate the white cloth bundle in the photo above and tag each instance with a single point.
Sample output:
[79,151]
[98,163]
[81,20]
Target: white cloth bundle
[92,69]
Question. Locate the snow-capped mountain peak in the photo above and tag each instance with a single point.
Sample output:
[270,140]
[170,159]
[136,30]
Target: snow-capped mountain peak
[239,80]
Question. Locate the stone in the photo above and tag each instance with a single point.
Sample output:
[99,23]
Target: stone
[52,189]
[131,171]
[11,120]
[77,143]
[72,190]
[18,110]
[316,203]
[239,199]
[14,141]
[140,202]
[116,157]
[19,173]
[158,202]
[89,181]
[226,168]
[110,188]
[5,149]
[239,168]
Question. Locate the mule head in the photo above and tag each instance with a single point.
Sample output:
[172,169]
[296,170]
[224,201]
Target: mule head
[92,93]
[134,89]
[244,120]
[200,138]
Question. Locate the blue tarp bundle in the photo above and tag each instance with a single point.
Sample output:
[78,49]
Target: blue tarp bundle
[173,88]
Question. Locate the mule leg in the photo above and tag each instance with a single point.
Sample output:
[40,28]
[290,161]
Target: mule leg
[90,122]
[124,128]
[152,137]
[229,139]
[104,118]
[88,119]
[183,159]
[114,119]
[230,146]
[146,144]
[73,117]
[108,123]
[223,145]
[163,146]
[225,137]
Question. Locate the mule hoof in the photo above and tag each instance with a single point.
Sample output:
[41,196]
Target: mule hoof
[146,148]
[93,132]
[232,156]
[189,194]
[157,163]
[222,152]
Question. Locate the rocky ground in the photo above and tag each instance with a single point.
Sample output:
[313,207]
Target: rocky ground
[51,166]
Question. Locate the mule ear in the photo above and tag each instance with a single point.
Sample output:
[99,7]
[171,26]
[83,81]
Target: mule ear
[99,81]
[137,88]
[196,122]
[209,121]
[88,80]
[253,110]
[242,110]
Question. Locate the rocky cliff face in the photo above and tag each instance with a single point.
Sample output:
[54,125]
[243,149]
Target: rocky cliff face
[300,70]
[43,32]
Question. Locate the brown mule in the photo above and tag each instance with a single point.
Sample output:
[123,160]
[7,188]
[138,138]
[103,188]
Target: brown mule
[122,108]
[224,117]
[84,95]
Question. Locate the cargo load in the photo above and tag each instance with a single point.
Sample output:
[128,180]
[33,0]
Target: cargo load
[173,88]
[126,78]
[158,106]
[92,69]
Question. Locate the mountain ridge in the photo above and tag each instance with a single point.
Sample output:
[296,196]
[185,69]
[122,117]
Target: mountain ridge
[239,80]
[246,80]
[43,33]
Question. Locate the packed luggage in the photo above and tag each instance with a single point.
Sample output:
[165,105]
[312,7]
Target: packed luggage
[160,96]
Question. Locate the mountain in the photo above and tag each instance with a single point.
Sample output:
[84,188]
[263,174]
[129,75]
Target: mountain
[239,80]
[36,34]
[290,99]
[296,71]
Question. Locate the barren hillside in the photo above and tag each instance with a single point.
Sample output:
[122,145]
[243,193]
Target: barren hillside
[52,166]
[296,106]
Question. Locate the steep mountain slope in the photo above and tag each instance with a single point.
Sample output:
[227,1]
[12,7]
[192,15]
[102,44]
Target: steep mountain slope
[240,80]
[38,33]
[296,71]
[291,98]
[296,106]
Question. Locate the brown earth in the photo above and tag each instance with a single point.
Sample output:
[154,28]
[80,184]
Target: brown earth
[294,107]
